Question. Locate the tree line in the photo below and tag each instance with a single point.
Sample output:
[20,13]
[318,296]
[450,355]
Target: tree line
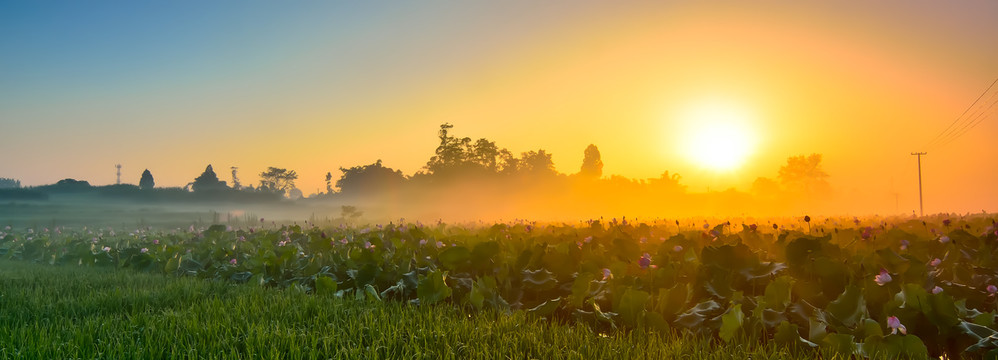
[458,167]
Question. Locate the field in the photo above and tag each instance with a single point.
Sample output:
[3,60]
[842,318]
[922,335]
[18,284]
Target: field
[695,288]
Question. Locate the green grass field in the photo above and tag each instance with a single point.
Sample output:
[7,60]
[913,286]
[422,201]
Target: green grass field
[69,312]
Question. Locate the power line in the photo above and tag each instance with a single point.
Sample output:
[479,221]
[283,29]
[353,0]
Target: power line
[976,120]
[949,129]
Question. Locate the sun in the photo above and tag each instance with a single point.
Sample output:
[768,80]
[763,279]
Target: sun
[717,135]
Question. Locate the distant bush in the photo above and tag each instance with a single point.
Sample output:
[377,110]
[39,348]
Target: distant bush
[66,186]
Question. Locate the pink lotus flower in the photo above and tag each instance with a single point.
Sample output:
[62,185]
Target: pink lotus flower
[935,262]
[106,249]
[144,250]
[937,290]
[644,261]
[992,290]
[677,248]
[904,245]
[895,325]
[607,274]
[422,242]
[867,232]
[155,242]
[944,239]
[883,277]
[233,261]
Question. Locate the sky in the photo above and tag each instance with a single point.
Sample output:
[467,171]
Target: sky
[313,86]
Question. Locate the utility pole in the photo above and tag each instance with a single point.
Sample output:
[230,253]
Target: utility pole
[921,208]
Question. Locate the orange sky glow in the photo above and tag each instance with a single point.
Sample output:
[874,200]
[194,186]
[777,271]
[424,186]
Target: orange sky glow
[317,87]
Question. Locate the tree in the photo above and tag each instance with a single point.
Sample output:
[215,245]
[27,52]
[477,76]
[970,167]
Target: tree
[536,163]
[146,182]
[278,180]
[449,153]
[508,163]
[485,154]
[765,187]
[235,179]
[804,174]
[592,165]
[667,182]
[9,183]
[371,178]
[460,156]
[208,181]
[329,183]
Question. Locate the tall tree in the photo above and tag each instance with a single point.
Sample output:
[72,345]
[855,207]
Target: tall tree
[804,174]
[208,181]
[592,164]
[235,179]
[329,182]
[277,179]
[146,182]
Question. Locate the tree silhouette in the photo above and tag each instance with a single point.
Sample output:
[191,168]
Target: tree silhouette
[329,182]
[667,182]
[592,165]
[9,183]
[456,157]
[277,179]
[235,179]
[208,181]
[369,179]
[146,182]
[450,152]
[508,163]
[765,187]
[536,163]
[804,174]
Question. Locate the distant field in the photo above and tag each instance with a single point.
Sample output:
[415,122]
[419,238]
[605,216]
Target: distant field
[81,211]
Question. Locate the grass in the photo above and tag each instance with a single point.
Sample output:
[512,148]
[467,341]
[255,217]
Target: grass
[68,312]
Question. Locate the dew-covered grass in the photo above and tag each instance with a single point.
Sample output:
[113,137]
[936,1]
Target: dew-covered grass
[70,312]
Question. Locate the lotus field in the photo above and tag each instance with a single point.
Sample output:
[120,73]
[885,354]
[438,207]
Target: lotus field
[868,287]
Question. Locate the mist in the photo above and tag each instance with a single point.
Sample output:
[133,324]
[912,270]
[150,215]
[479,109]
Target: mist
[464,181]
